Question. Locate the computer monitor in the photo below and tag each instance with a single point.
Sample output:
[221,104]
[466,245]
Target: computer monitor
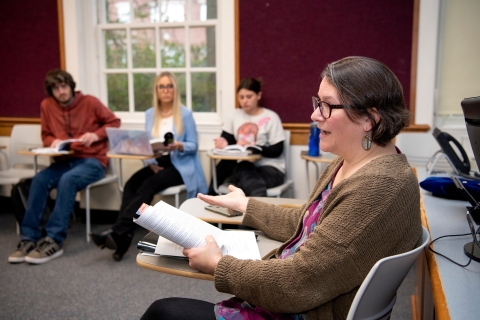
[471,112]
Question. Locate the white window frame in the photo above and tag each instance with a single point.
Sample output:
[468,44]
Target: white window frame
[83,38]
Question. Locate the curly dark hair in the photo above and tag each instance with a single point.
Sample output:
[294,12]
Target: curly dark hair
[363,84]
[55,77]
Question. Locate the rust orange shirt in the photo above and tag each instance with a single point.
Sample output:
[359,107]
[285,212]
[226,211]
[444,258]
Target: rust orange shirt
[85,114]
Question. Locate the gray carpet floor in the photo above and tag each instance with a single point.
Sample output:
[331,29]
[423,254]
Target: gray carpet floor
[86,283]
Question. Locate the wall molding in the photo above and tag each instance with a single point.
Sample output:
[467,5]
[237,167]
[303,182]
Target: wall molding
[6,124]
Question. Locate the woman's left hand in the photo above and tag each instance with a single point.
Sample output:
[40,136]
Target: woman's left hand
[176,145]
[204,259]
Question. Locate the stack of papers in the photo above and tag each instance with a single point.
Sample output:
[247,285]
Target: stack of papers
[178,230]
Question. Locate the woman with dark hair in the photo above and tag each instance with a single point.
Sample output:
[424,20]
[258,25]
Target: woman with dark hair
[179,165]
[364,207]
[252,125]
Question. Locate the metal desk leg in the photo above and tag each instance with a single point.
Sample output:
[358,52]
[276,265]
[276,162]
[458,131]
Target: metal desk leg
[308,176]
[316,171]
[120,175]
[35,165]
[308,173]
[214,175]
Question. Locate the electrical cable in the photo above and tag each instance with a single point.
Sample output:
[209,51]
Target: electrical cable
[452,235]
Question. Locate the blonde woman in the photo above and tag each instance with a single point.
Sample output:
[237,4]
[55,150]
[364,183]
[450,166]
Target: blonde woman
[180,165]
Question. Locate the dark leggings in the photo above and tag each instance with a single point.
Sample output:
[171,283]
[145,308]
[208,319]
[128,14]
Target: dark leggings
[141,188]
[254,181]
[180,309]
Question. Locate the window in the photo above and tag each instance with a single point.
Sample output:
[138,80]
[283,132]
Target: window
[140,38]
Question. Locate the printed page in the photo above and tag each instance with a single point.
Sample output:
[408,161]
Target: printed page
[168,248]
[157,144]
[175,225]
[233,149]
[47,151]
[240,244]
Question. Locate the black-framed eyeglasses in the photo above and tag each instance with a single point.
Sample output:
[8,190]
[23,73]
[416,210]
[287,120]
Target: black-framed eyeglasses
[162,87]
[473,230]
[325,107]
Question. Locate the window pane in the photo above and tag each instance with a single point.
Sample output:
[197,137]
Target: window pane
[145,11]
[173,10]
[204,9]
[143,90]
[202,46]
[182,86]
[117,91]
[117,11]
[143,48]
[116,48]
[172,47]
[204,88]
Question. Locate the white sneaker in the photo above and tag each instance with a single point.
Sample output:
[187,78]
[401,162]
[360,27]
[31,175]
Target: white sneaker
[47,249]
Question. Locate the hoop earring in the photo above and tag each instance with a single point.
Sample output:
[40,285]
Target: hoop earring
[367,141]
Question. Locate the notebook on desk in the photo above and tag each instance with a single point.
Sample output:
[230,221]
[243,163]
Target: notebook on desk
[126,141]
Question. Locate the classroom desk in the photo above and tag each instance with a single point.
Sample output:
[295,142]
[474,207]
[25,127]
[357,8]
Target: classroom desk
[120,157]
[213,161]
[322,158]
[195,207]
[450,289]
[180,267]
[36,155]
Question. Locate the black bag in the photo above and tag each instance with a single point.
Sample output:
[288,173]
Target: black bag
[19,197]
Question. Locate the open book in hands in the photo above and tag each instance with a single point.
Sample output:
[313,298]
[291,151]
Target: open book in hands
[62,147]
[159,145]
[238,150]
[178,230]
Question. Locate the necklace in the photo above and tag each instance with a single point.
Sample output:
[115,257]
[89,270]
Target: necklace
[166,114]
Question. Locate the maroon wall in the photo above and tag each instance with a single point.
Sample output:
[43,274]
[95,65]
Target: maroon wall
[29,48]
[288,43]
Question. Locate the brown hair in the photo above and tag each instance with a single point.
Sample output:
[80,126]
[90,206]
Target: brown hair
[363,84]
[55,77]
[251,84]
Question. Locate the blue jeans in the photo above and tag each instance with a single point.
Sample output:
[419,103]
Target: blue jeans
[68,177]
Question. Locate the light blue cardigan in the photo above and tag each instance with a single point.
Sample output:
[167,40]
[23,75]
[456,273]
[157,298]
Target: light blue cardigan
[186,161]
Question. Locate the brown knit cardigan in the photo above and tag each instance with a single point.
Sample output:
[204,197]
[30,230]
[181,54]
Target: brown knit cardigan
[373,214]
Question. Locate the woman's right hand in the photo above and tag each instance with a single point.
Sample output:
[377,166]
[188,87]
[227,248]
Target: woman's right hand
[155,168]
[235,200]
[220,143]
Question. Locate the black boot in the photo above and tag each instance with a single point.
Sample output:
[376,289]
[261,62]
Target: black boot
[100,239]
[122,243]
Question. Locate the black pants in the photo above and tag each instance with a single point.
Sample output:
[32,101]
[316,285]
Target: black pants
[180,309]
[254,181]
[141,188]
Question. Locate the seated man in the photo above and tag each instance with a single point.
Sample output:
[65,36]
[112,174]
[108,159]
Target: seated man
[65,114]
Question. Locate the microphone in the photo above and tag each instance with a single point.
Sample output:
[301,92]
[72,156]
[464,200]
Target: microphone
[168,139]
